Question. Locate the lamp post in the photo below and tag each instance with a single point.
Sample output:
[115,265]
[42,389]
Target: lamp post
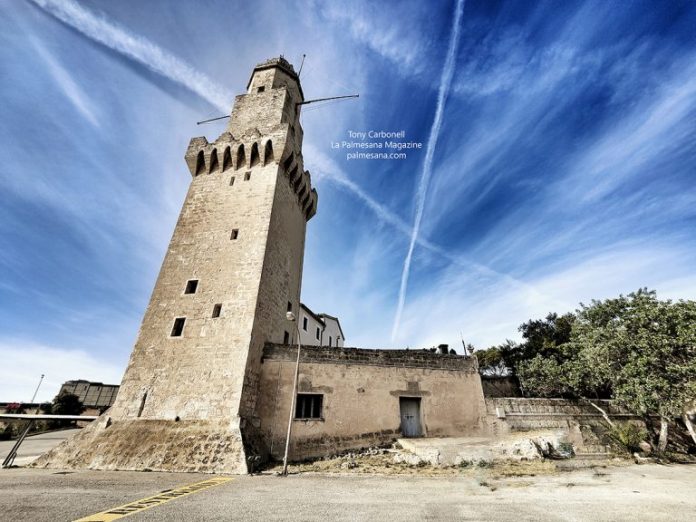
[291,317]
[33,398]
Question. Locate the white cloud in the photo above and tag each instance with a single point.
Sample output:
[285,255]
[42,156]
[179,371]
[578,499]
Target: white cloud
[64,80]
[488,314]
[139,49]
[23,363]
[404,43]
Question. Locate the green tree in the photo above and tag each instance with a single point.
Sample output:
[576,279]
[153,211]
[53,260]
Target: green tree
[67,404]
[541,338]
[637,348]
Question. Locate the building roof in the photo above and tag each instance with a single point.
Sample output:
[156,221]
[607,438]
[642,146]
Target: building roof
[320,318]
[309,311]
[322,315]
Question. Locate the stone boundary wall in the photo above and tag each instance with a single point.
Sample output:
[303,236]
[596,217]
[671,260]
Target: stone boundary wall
[392,358]
[577,422]
[528,407]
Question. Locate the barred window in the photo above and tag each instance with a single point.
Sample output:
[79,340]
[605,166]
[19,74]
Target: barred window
[309,406]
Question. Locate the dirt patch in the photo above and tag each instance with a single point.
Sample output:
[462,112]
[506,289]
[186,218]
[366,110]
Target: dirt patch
[383,463]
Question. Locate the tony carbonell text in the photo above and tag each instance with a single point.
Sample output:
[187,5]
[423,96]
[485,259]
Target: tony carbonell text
[374,144]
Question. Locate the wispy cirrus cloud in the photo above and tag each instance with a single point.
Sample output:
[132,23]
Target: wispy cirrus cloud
[137,48]
[70,88]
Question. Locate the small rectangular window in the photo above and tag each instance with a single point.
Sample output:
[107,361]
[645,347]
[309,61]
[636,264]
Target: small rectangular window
[231,181]
[329,340]
[304,324]
[247,176]
[309,406]
[286,338]
[191,286]
[318,332]
[261,89]
[178,328]
[234,234]
[217,309]
[289,306]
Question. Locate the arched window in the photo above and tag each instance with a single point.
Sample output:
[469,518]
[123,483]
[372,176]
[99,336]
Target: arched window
[254,156]
[268,152]
[241,158]
[200,163]
[226,159]
[213,161]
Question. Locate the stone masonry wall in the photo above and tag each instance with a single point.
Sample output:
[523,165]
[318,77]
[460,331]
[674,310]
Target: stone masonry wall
[361,391]
[240,234]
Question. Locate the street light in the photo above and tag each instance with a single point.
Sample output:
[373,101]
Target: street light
[291,317]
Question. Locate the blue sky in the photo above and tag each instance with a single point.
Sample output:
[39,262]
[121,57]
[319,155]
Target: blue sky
[562,162]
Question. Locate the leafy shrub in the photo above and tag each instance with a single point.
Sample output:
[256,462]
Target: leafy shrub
[628,435]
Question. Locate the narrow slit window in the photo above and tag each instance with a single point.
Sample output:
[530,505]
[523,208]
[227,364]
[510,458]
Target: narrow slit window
[247,176]
[309,406]
[304,324]
[235,234]
[178,328]
[191,286]
[231,181]
[286,338]
[289,306]
[330,340]
[318,332]
[217,310]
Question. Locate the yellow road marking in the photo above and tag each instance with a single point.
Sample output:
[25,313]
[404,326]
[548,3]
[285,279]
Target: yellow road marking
[150,502]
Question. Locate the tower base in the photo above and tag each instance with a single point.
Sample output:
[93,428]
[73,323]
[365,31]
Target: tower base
[154,445]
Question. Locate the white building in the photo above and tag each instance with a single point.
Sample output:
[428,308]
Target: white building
[319,329]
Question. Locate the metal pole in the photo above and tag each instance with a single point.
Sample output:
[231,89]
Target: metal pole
[9,460]
[37,388]
[294,400]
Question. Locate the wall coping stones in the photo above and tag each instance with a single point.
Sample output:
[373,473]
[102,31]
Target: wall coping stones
[373,357]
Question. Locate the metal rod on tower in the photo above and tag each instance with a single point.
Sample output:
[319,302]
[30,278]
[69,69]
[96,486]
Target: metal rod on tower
[327,99]
[301,65]
[211,119]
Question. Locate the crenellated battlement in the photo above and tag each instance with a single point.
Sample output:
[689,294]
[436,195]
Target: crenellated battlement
[252,150]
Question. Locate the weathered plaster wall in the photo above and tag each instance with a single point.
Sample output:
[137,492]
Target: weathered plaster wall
[361,390]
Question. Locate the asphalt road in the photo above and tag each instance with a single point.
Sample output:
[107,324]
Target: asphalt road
[645,492]
[34,446]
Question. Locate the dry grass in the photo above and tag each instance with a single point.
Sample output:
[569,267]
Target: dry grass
[384,464]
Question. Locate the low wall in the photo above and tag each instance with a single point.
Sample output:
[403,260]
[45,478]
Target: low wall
[581,424]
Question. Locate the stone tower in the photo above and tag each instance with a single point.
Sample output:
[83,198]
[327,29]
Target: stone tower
[232,270]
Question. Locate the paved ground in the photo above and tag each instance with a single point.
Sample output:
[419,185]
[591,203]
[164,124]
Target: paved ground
[646,492]
[34,446]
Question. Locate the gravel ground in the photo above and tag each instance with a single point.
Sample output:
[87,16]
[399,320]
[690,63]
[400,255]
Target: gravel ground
[635,492]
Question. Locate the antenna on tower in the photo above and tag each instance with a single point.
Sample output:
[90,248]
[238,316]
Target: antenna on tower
[327,99]
[301,65]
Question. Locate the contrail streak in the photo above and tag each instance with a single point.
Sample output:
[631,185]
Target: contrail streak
[137,48]
[387,216]
[169,66]
[424,181]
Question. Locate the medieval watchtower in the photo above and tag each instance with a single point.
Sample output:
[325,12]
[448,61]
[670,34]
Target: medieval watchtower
[232,270]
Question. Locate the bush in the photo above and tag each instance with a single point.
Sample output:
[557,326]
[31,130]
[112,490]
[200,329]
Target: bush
[628,435]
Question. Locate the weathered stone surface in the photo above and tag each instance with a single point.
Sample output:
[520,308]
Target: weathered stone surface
[157,445]
[250,180]
[361,390]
